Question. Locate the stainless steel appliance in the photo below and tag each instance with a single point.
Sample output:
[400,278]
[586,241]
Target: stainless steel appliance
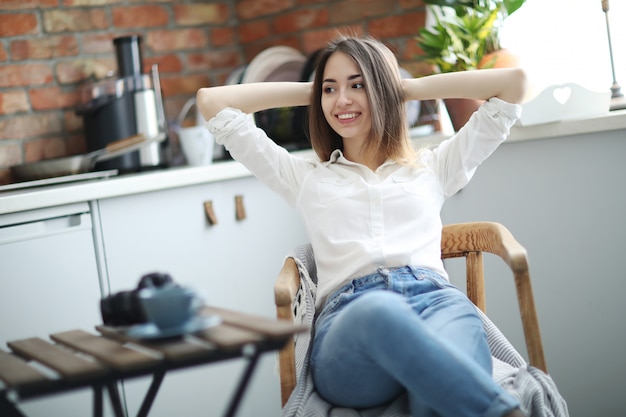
[124,105]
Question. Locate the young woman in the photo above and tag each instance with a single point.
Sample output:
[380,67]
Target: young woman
[388,321]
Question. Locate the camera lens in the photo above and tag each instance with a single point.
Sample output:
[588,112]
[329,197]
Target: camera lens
[122,309]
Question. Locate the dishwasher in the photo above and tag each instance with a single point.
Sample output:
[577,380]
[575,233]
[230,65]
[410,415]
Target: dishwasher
[49,283]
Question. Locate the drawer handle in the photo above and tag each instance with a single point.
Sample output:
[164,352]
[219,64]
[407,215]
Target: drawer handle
[240,210]
[210,213]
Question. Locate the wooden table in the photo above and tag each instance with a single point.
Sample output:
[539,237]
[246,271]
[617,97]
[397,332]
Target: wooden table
[83,359]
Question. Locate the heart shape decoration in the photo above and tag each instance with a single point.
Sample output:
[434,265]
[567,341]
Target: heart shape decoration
[562,95]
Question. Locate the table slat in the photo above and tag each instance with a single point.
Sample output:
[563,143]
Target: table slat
[15,372]
[61,360]
[173,349]
[229,337]
[112,353]
[275,329]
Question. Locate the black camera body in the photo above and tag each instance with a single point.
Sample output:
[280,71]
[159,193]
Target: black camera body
[124,308]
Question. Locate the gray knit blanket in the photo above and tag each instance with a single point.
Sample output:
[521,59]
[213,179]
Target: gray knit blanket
[535,390]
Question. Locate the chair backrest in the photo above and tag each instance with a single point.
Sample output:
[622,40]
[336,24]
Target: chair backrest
[467,240]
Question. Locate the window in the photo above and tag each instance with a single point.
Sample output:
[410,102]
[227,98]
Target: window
[562,41]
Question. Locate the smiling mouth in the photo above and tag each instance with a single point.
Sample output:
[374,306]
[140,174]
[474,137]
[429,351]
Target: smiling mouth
[347,116]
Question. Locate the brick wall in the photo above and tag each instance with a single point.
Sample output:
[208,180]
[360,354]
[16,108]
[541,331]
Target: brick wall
[49,47]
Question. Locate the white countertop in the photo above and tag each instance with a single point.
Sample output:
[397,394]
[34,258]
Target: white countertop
[68,193]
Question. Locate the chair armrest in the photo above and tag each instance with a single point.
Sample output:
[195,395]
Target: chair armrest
[287,283]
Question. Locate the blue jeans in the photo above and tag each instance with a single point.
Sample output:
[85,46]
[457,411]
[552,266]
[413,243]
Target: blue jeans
[405,330]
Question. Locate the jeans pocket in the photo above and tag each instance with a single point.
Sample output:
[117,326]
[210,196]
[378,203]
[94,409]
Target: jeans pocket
[433,277]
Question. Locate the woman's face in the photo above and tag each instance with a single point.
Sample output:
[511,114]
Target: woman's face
[344,100]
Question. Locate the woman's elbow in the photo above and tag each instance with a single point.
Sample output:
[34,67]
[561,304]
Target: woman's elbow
[516,86]
[206,103]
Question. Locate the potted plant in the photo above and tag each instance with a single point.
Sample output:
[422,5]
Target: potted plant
[464,36]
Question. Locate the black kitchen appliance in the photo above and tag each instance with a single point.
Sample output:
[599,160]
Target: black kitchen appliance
[118,107]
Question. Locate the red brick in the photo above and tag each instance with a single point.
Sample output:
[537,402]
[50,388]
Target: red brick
[89,2]
[27,4]
[252,50]
[167,63]
[355,10]
[252,31]
[139,16]
[300,20]
[224,36]
[18,24]
[72,121]
[172,40]
[75,144]
[252,9]
[13,102]
[97,43]
[199,14]
[3,53]
[64,20]
[395,26]
[44,48]
[213,59]
[314,40]
[184,84]
[411,4]
[10,154]
[44,148]
[31,125]
[25,74]
[70,72]
[49,98]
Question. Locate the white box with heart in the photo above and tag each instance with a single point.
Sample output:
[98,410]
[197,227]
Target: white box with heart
[565,102]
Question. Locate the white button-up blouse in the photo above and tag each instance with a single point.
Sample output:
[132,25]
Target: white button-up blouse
[357,219]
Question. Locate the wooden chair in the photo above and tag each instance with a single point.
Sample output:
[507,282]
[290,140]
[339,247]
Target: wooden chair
[467,240]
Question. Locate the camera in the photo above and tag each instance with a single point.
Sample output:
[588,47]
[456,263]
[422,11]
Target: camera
[125,307]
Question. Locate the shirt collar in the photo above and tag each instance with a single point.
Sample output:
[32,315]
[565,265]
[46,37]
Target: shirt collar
[337,157]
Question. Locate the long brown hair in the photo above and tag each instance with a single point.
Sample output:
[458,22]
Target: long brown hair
[379,69]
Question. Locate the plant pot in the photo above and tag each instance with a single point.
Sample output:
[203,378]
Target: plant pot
[460,110]
[502,58]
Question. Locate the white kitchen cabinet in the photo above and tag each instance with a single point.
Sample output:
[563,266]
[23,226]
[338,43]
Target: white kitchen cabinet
[49,284]
[233,263]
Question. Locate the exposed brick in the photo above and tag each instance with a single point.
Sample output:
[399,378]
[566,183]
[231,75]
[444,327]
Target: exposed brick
[199,14]
[167,63]
[69,72]
[72,121]
[27,4]
[10,154]
[139,16]
[97,43]
[44,148]
[400,25]
[18,24]
[25,74]
[3,53]
[252,9]
[48,98]
[13,101]
[355,10]
[75,144]
[300,20]
[90,2]
[252,31]
[187,84]
[213,59]
[66,20]
[410,4]
[172,40]
[44,48]
[30,125]
[251,51]
[314,40]
[224,36]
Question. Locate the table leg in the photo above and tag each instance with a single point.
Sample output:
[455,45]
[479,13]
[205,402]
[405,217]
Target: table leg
[8,408]
[252,354]
[151,394]
[97,400]
[114,395]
